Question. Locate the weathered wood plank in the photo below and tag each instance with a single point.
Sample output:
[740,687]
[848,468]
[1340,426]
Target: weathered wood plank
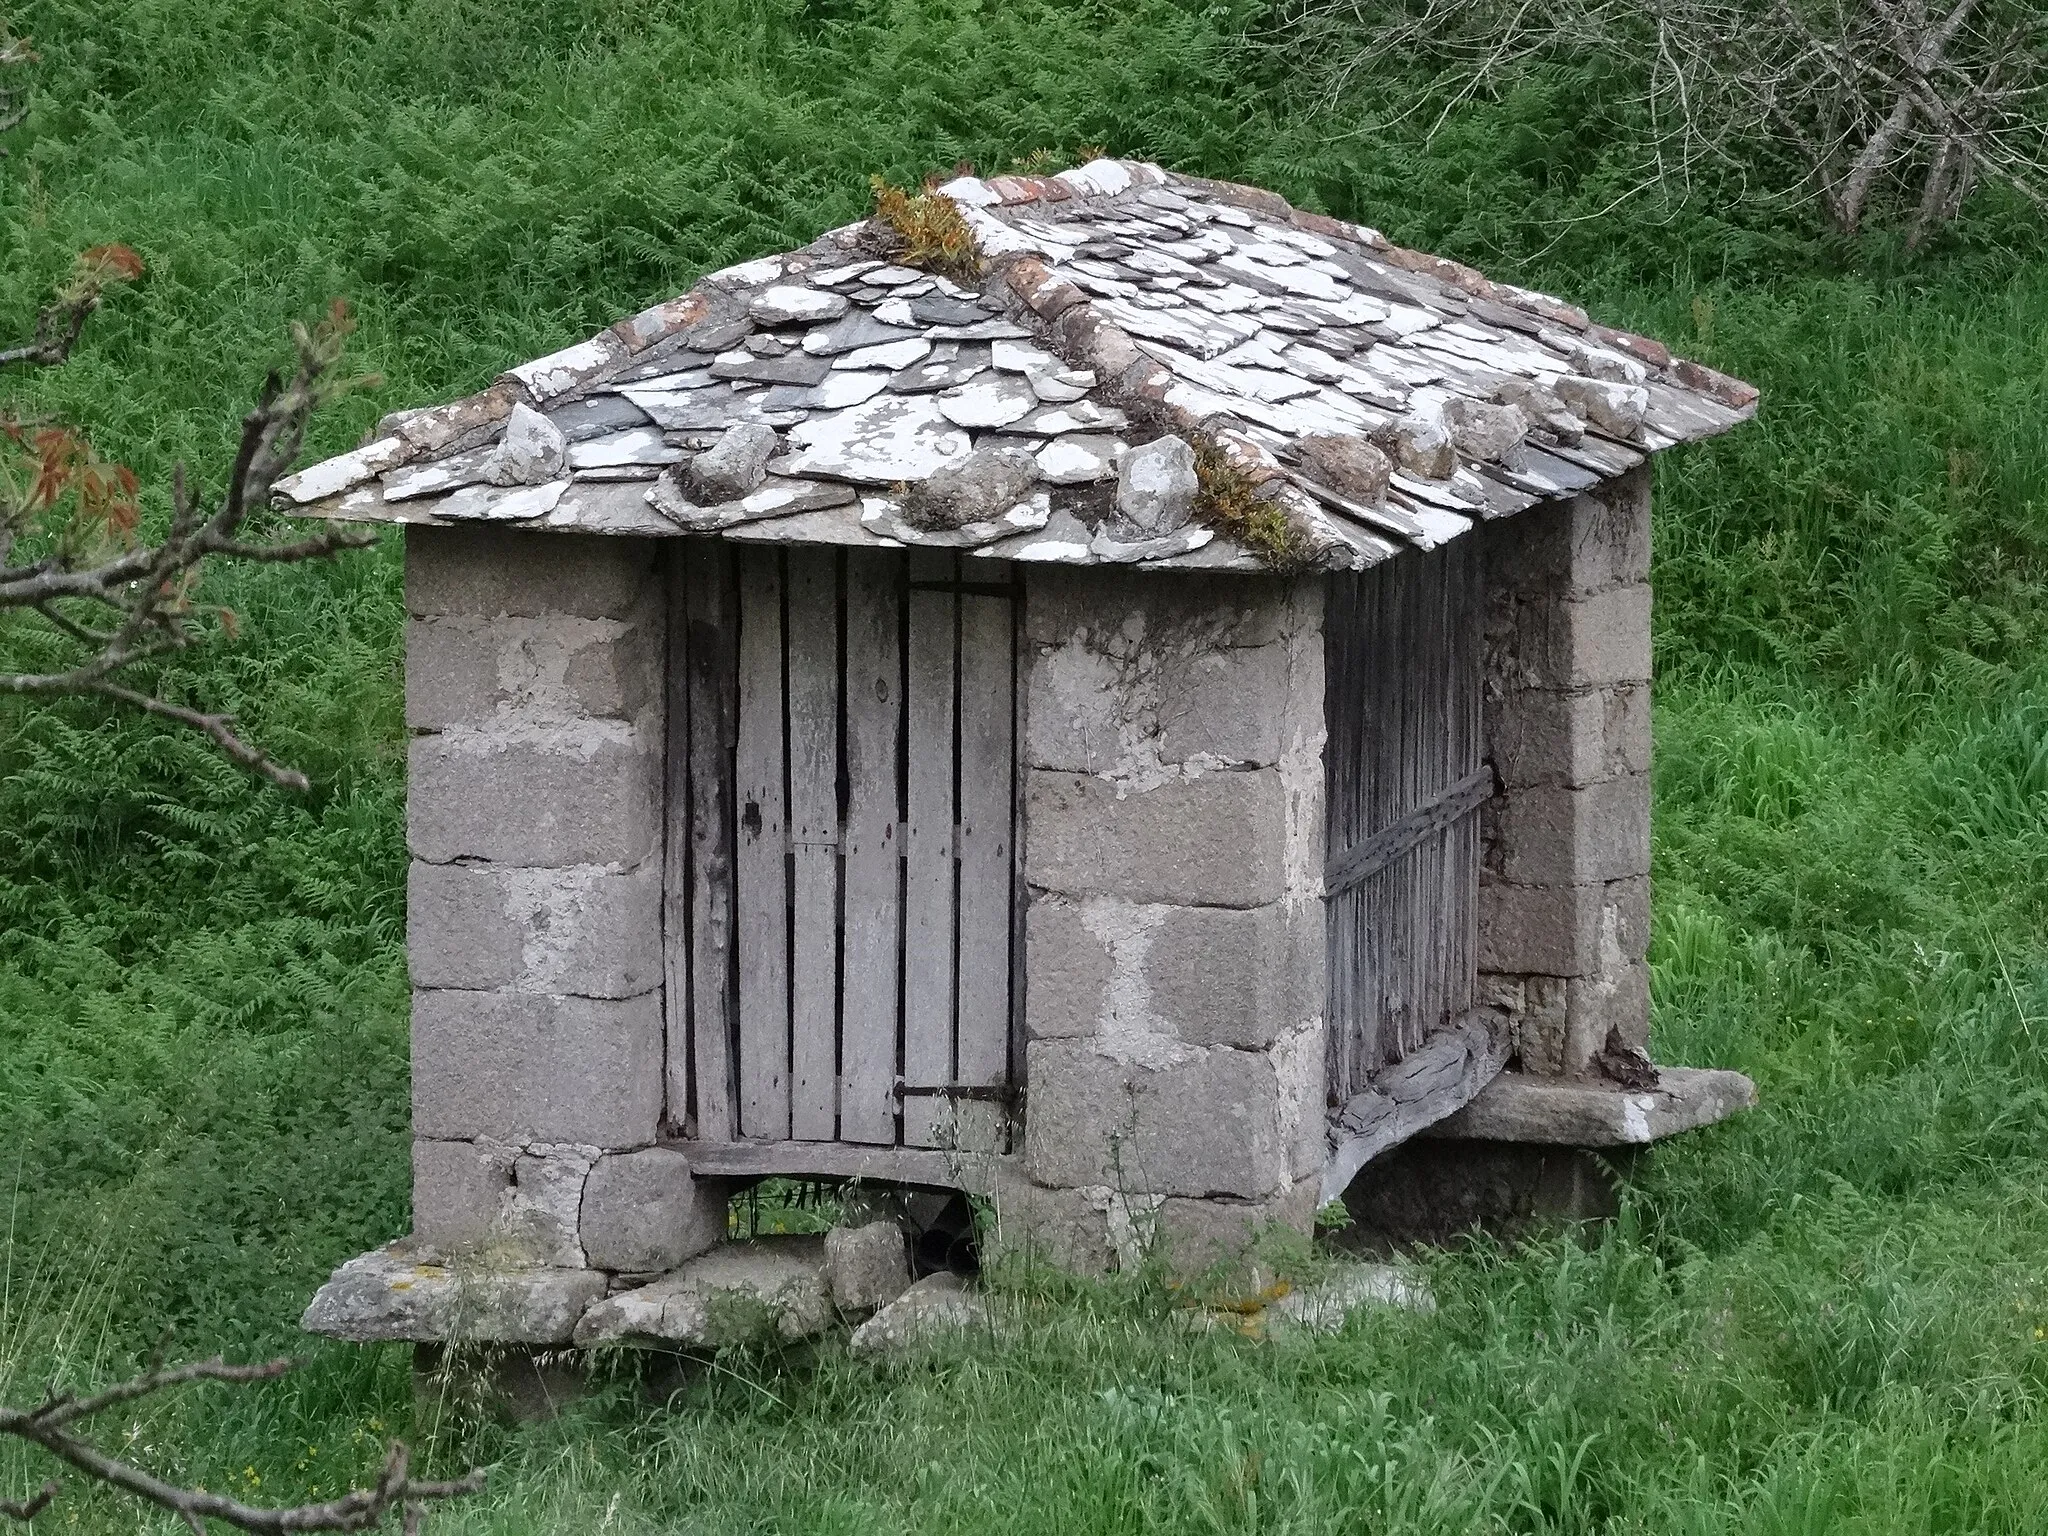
[928,849]
[872,871]
[761,853]
[675,844]
[713,607]
[977,1173]
[813,584]
[987,836]
[1404,774]
[1436,1079]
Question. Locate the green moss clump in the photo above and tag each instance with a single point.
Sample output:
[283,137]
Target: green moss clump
[932,233]
[1229,501]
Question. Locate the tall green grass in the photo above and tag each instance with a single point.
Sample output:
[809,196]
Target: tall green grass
[1820,1318]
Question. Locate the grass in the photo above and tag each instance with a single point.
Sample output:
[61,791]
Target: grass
[1829,1316]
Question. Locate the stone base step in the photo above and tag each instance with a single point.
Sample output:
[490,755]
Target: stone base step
[786,1287]
[1545,1111]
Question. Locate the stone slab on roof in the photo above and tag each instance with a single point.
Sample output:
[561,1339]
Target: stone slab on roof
[1119,302]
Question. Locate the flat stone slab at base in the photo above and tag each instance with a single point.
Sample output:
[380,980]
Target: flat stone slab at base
[771,1287]
[937,1304]
[398,1293]
[1548,1111]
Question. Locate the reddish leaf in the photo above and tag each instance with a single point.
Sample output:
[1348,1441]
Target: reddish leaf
[111,264]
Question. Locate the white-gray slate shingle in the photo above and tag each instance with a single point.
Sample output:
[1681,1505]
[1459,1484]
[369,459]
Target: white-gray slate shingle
[1119,301]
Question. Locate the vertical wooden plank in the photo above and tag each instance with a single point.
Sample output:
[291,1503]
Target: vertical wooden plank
[761,854]
[675,847]
[928,851]
[987,826]
[872,872]
[713,604]
[813,585]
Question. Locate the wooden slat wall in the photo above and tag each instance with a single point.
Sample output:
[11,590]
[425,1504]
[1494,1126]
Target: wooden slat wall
[987,843]
[813,587]
[1402,669]
[872,871]
[712,602]
[928,975]
[675,850]
[848,720]
[762,852]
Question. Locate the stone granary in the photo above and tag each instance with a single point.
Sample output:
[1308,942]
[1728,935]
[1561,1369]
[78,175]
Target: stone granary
[1135,723]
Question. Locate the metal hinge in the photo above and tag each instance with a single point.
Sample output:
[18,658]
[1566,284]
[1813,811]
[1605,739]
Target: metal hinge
[987,1094]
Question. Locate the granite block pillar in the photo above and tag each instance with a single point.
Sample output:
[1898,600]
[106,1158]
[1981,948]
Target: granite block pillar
[534,698]
[1564,884]
[1174,951]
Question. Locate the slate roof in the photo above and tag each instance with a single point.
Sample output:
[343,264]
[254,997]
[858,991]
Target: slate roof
[1117,300]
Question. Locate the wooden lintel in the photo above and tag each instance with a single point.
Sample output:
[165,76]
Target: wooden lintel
[975,1172]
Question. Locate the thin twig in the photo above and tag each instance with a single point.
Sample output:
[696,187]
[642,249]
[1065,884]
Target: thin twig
[46,1426]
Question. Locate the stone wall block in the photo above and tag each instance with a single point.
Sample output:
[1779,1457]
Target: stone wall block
[1553,930]
[1573,644]
[1610,534]
[1608,636]
[1230,705]
[1553,835]
[1555,736]
[1616,1002]
[645,1211]
[468,671]
[584,930]
[458,1191]
[1114,701]
[1190,613]
[540,1219]
[1628,730]
[1068,1229]
[488,572]
[523,1068]
[1579,546]
[1625,920]
[1539,1028]
[1206,1125]
[1236,977]
[1069,967]
[585,793]
[1569,930]
[1200,1237]
[1217,839]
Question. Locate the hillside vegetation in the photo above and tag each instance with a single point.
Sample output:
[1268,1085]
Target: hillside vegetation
[1829,1316]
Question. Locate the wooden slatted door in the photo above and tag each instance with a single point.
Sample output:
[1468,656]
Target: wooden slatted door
[847,794]
[1405,780]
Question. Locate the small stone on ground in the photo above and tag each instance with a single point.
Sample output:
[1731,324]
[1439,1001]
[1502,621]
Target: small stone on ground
[936,1305]
[866,1266]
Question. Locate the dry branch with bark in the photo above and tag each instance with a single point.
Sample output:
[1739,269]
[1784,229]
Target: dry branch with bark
[50,1426]
[73,558]
[1917,100]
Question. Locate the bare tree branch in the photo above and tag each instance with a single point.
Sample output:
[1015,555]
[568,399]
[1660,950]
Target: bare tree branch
[60,497]
[71,555]
[48,1427]
[15,53]
[1895,102]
